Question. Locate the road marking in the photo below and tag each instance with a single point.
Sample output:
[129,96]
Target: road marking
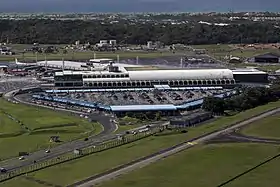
[192,143]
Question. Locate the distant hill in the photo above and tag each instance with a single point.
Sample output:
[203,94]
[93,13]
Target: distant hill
[138,5]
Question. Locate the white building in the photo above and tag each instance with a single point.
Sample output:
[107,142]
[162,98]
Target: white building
[120,77]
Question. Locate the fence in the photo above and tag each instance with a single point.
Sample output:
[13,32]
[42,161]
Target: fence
[84,152]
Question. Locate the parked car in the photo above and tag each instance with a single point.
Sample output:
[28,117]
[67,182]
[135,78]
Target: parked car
[3,170]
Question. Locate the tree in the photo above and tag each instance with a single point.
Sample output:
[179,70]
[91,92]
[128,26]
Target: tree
[57,32]
[214,104]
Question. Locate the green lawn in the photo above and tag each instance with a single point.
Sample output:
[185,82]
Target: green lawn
[38,125]
[40,118]
[7,125]
[267,175]
[267,128]
[122,128]
[222,50]
[70,172]
[20,182]
[201,166]
[127,123]
[214,47]
[78,55]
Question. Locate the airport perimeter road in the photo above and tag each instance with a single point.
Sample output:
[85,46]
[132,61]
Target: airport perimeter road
[165,153]
[108,128]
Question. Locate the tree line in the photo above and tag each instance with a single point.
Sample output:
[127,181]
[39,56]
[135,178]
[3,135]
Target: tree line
[65,32]
[245,98]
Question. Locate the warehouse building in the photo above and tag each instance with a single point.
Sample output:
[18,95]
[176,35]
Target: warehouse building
[248,75]
[266,58]
[190,120]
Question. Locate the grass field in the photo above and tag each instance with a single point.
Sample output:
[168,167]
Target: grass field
[80,55]
[27,128]
[267,128]
[222,50]
[201,166]
[70,172]
[267,175]
[19,182]
[127,123]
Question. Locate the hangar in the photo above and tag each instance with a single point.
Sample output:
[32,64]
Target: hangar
[267,58]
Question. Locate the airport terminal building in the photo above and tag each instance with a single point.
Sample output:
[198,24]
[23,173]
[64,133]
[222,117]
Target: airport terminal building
[114,75]
[114,78]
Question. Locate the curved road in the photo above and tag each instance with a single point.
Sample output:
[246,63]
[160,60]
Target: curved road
[108,128]
[38,156]
[165,153]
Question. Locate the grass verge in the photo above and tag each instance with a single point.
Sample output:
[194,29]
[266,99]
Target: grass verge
[266,128]
[28,128]
[201,166]
[81,55]
[73,171]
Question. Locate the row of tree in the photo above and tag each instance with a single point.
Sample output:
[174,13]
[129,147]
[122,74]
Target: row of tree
[65,32]
[245,98]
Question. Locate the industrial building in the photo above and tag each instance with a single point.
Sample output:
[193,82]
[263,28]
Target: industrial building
[191,120]
[250,75]
[266,58]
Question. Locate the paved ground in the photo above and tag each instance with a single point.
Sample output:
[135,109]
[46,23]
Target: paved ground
[108,128]
[173,150]
[39,156]
[237,137]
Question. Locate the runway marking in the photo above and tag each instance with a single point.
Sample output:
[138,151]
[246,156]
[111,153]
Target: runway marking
[192,143]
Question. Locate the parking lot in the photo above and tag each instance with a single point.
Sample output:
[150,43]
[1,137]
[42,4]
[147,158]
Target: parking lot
[142,97]
[12,83]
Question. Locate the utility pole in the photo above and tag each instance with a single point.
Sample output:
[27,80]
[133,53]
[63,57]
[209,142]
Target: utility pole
[46,62]
[63,63]
[36,57]
[118,58]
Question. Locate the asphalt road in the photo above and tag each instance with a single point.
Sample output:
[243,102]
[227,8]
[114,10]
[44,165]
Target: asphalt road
[108,128]
[163,154]
[107,134]
[241,137]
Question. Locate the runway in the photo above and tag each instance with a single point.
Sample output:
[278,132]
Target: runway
[91,181]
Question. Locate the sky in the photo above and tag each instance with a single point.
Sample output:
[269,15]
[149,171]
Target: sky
[138,5]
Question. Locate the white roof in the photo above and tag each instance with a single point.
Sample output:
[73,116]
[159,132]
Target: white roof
[194,74]
[189,74]
[247,71]
[67,64]
[101,60]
